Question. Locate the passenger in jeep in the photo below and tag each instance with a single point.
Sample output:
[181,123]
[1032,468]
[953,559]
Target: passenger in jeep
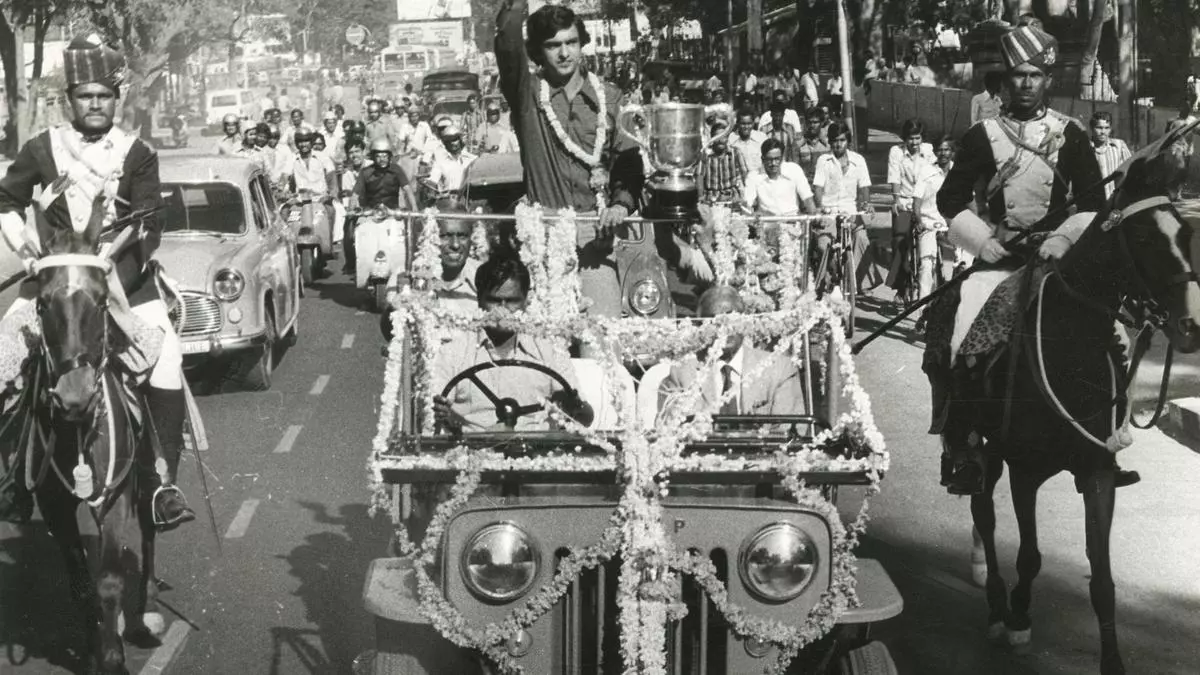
[502,283]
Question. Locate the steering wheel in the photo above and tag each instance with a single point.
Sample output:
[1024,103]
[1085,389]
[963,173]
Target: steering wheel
[507,409]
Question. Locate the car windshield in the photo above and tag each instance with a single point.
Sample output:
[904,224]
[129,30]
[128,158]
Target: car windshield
[446,82]
[224,101]
[214,208]
[450,108]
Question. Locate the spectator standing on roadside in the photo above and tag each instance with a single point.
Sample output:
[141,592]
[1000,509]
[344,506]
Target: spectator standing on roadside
[810,89]
[1110,152]
[862,93]
[988,104]
[747,141]
[835,91]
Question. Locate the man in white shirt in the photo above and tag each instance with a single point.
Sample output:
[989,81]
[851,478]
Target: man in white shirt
[781,188]
[310,171]
[836,93]
[931,225]
[790,116]
[747,142]
[492,136]
[987,104]
[842,184]
[281,169]
[1111,152]
[449,171]
[810,88]
[906,162]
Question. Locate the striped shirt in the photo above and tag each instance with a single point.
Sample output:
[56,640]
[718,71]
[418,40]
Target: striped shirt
[722,176]
[1110,156]
[786,136]
[808,150]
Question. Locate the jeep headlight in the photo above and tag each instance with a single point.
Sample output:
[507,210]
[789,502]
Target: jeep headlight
[645,297]
[778,562]
[500,563]
[228,285]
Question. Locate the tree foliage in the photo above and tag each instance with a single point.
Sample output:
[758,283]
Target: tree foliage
[16,17]
[326,22]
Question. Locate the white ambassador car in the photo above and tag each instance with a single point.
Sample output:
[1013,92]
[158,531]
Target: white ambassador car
[235,262]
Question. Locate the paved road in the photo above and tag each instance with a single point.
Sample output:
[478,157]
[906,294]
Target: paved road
[281,591]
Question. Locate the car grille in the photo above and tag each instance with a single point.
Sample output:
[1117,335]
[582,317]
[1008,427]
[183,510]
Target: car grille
[196,314]
[580,634]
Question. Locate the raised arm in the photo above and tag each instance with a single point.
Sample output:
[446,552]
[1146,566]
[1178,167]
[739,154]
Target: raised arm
[511,59]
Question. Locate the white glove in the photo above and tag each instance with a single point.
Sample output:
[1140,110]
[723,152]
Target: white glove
[993,251]
[1055,246]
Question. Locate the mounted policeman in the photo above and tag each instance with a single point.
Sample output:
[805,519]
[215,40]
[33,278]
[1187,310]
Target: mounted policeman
[69,173]
[1033,161]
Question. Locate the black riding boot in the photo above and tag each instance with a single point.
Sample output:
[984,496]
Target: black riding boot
[168,410]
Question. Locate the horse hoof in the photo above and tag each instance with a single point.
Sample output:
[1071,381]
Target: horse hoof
[1020,640]
[997,633]
[979,574]
[155,623]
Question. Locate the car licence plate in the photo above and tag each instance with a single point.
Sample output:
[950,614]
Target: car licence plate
[198,347]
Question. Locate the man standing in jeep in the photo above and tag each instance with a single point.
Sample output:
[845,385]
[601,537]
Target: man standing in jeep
[565,121]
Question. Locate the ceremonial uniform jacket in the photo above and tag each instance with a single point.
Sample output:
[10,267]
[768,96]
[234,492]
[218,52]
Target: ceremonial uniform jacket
[1027,169]
[137,188]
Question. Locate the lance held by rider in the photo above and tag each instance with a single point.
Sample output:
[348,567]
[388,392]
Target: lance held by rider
[73,164]
[1032,159]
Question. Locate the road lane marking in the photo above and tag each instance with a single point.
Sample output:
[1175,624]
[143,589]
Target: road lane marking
[241,521]
[288,440]
[318,387]
[347,340]
[172,642]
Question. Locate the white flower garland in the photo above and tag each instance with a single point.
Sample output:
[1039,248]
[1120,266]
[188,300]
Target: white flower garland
[644,453]
[599,177]
[550,252]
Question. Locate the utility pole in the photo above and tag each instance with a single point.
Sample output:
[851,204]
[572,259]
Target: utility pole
[1126,105]
[729,34]
[847,83]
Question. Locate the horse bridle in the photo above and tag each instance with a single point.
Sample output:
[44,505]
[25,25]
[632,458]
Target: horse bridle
[98,363]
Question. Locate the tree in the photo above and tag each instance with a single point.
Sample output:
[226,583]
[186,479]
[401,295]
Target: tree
[324,22]
[16,16]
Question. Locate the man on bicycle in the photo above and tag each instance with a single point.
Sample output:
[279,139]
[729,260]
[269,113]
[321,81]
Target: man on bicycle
[842,184]
[931,226]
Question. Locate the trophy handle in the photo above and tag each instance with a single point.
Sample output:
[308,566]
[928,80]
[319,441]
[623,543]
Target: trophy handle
[625,117]
[723,110]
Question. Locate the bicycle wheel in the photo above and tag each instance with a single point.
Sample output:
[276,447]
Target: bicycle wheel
[849,282]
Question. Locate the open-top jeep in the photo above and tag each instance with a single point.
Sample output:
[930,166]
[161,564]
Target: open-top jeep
[682,530]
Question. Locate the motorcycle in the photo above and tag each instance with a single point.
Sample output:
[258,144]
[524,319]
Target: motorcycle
[309,216]
[179,130]
[381,249]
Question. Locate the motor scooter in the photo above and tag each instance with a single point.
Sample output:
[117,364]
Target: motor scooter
[309,217]
[381,250]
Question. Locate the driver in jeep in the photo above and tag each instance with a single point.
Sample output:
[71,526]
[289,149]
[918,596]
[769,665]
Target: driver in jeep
[504,397]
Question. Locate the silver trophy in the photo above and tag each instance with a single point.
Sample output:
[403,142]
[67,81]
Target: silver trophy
[673,138]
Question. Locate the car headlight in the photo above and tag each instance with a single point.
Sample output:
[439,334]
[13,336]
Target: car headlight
[229,284]
[778,562]
[645,297]
[500,563]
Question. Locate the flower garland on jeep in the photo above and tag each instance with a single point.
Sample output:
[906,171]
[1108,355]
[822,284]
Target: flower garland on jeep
[645,455]
[599,176]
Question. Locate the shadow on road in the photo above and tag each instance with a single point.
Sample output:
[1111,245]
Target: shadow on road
[942,629]
[330,567]
[38,623]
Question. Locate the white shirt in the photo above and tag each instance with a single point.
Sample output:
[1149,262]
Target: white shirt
[810,85]
[904,168]
[984,106]
[790,116]
[310,174]
[834,86]
[750,149]
[284,158]
[780,196]
[840,187]
[751,83]
[450,172]
[928,184]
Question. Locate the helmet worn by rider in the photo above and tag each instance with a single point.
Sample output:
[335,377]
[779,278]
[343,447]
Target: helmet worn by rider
[381,145]
[231,118]
[305,135]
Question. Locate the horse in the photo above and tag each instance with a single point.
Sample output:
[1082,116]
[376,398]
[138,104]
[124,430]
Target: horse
[1054,398]
[83,442]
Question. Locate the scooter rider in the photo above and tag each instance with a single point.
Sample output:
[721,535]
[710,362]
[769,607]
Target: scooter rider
[231,124]
[383,183]
[73,164]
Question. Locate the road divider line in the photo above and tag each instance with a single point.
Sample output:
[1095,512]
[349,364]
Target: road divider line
[241,520]
[172,642]
[318,387]
[347,340]
[288,440]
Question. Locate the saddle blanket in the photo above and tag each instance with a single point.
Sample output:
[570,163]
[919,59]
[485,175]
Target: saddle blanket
[973,296]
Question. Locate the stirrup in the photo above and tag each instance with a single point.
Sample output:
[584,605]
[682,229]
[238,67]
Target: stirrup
[161,522]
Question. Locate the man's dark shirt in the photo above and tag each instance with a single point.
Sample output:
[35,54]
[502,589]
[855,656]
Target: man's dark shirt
[380,187]
[553,177]
[974,164]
